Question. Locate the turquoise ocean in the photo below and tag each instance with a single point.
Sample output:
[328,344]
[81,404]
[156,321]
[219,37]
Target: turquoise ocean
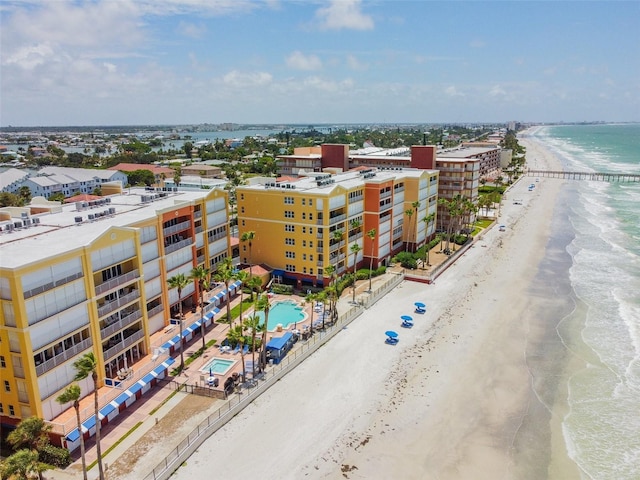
[600,222]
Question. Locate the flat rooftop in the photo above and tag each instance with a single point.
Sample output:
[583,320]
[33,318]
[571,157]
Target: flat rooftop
[69,228]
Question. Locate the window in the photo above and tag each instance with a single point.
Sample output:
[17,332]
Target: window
[3,364]
[12,411]
[243,223]
[311,230]
[241,209]
[288,200]
[289,241]
[242,196]
[304,216]
[311,244]
[303,201]
[304,256]
[1,409]
[311,257]
[289,254]
[304,229]
[304,243]
[289,228]
[311,216]
[290,268]
[7,387]
[289,214]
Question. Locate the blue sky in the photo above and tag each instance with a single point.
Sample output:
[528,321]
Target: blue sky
[131,62]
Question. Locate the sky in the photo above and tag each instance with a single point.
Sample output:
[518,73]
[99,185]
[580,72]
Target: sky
[159,62]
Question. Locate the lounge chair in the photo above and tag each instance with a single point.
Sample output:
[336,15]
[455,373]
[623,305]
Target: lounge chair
[237,349]
[245,349]
[421,310]
[391,341]
[406,324]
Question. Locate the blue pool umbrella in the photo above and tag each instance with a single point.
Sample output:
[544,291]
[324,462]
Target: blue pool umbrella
[391,333]
[419,304]
[406,318]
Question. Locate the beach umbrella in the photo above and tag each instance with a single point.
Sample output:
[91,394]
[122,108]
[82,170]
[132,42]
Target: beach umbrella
[419,304]
[406,318]
[391,334]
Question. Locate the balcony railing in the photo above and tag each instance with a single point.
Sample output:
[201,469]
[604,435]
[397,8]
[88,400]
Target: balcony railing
[178,245]
[109,307]
[48,286]
[337,219]
[179,227]
[63,357]
[154,311]
[197,214]
[120,346]
[116,282]
[385,194]
[109,330]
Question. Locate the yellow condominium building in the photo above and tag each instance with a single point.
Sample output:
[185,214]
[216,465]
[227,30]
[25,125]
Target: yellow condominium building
[92,277]
[305,224]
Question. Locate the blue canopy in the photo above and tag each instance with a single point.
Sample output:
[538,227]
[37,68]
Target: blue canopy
[419,304]
[279,342]
[391,333]
[406,318]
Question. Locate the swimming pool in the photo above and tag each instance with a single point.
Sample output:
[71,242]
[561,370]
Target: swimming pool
[283,313]
[218,366]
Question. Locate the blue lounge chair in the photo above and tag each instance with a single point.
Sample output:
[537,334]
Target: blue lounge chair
[245,349]
[237,349]
[406,324]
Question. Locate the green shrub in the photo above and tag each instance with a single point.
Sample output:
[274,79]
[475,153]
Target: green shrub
[56,456]
[381,270]
[282,289]
[407,260]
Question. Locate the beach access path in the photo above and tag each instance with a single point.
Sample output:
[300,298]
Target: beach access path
[447,401]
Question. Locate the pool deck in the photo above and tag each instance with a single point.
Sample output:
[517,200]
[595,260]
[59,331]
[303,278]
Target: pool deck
[160,401]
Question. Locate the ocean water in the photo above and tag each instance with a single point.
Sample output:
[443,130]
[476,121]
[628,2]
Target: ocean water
[601,428]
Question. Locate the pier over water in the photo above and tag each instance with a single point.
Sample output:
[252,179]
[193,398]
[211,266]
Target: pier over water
[593,176]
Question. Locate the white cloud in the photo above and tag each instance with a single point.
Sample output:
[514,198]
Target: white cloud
[452,91]
[300,61]
[344,14]
[30,56]
[355,64]
[238,79]
[497,91]
[191,30]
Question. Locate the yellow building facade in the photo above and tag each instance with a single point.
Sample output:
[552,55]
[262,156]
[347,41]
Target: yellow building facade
[93,277]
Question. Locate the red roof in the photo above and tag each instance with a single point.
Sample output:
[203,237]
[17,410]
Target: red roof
[83,197]
[132,167]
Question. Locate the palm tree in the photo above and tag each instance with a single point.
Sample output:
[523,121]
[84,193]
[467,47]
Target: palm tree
[235,336]
[72,394]
[22,465]
[252,323]
[264,303]
[88,365]
[427,220]
[415,205]
[200,275]
[254,283]
[179,281]
[31,432]
[224,274]
[248,237]
[311,298]
[372,236]
[330,271]
[242,277]
[355,248]
[409,213]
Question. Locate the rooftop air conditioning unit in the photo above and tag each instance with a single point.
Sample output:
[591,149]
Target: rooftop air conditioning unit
[9,228]
[78,219]
[36,221]
[91,216]
[17,224]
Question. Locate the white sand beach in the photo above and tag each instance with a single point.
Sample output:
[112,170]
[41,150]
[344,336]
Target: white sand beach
[448,401]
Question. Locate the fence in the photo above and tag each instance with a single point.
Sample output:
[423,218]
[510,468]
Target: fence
[237,402]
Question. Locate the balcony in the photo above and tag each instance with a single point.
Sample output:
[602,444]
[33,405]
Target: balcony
[124,322]
[51,285]
[385,194]
[337,219]
[112,306]
[179,227]
[154,311]
[122,345]
[178,245]
[63,357]
[197,214]
[356,236]
[116,282]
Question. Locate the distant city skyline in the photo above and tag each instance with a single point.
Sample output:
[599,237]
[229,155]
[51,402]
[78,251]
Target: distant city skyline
[155,62]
